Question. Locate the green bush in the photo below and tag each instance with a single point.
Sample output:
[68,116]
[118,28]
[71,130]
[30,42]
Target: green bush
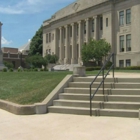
[8,64]
[11,70]
[128,68]
[41,69]
[92,68]
[4,70]
[35,69]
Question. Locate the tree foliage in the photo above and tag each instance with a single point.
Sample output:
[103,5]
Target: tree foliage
[8,64]
[51,58]
[95,49]
[37,43]
[36,61]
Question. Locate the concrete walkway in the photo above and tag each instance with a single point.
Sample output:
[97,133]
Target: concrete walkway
[67,127]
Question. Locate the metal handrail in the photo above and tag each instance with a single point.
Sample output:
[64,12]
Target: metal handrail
[103,79]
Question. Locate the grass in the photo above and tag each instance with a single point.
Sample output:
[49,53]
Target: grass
[28,87]
[33,87]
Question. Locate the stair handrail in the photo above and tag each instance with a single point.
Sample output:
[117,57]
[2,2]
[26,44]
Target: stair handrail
[103,78]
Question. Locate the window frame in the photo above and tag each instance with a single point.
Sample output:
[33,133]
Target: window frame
[128,16]
[128,42]
[121,18]
[121,43]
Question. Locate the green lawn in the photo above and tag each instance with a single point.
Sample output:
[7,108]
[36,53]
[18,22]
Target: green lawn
[33,87]
[28,87]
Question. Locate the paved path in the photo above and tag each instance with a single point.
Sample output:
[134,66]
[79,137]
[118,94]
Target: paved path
[67,127]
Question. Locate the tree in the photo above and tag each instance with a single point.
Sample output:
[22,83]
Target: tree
[95,50]
[36,61]
[51,58]
[37,43]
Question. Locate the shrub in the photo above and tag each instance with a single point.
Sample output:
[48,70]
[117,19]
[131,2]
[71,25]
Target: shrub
[41,69]
[129,68]
[8,64]
[35,69]
[11,70]
[4,70]
[92,68]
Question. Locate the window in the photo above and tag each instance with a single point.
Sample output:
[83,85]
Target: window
[128,63]
[128,16]
[106,22]
[122,43]
[93,25]
[84,27]
[128,42]
[121,63]
[121,18]
[101,23]
[46,38]
[49,37]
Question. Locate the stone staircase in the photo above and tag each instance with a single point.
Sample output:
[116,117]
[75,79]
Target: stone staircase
[121,98]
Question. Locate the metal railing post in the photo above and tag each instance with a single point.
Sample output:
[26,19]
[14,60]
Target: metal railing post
[113,64]
[90,102]
[103,80]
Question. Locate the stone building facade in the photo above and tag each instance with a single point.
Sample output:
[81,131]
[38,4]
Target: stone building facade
[117,21]
[15,57]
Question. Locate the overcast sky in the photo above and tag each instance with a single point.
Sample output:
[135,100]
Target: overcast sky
[22,18]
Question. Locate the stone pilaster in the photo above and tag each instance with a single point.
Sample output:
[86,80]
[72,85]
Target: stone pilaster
[61,61]
[73,44]
[96,34]
[87,29]
[66,60]
[80,42]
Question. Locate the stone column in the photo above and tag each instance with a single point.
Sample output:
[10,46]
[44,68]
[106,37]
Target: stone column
[96,30]
[73,44]
[87,29]
[1,54]
[61,48]
[66,60]
[80,41]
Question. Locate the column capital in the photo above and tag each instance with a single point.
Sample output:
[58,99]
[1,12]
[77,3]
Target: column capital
[60,28]
[72,24]
[94,17]
[87,19]
[66,26]
[79,22]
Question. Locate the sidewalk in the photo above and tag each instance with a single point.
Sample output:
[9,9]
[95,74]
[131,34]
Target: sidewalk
[67,127]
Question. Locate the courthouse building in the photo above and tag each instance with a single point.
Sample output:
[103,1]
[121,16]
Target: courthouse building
[118,21]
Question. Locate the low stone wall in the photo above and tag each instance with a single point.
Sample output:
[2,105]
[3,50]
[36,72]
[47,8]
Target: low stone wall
[17,109]
[37,108]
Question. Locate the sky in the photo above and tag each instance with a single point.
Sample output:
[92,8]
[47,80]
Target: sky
[22,18]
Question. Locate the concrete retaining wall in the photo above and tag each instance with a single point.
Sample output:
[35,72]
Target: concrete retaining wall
[37,108]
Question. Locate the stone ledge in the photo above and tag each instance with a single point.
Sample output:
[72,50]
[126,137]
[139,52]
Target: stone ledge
[37,108]
[59,89]
[17,109]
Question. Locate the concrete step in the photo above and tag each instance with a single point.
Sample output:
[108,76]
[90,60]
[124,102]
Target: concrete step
[70,110]
[119,113]
[90,79]
[98,104]
[107,85]
[117,91]
[95,112]
[112,98]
